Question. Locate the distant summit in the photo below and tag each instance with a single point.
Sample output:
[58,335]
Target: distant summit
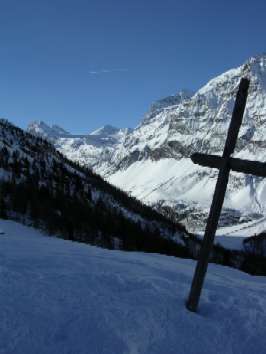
[105,130]
[98,147]
[42,129]
[171,100]
[166,102]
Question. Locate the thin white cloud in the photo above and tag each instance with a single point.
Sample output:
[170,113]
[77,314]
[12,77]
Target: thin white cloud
[106,71]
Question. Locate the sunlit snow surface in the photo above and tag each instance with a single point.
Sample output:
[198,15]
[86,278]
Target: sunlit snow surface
[62,297]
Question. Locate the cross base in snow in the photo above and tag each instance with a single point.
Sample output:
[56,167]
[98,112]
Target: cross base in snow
[224,164]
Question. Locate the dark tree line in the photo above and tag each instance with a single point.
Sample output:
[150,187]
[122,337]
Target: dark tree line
[44,188]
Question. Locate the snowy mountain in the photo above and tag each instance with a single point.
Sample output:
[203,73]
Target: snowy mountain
[173,100]
[152,162]
[63,297]
[95,150]
[42,129]
[156,166]
[38,185]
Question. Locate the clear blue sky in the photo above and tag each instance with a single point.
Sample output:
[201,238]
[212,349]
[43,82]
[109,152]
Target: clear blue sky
[85,63]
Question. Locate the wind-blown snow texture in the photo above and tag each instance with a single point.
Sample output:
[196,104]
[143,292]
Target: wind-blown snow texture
[152,162]
[62,297]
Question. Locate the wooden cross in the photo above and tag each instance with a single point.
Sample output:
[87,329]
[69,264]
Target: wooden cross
[224,164]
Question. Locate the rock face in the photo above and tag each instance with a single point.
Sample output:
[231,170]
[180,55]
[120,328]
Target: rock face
[152,161]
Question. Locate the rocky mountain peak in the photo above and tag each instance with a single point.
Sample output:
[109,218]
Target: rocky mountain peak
[40,128]
[170,100]
[166,102]
[106,130]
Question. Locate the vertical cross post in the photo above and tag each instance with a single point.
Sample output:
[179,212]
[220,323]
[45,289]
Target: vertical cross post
[218,198]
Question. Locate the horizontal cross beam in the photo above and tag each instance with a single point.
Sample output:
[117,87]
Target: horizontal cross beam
[238,165]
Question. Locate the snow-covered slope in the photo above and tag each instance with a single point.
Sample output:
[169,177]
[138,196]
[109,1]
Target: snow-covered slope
[62,297]
[153,161]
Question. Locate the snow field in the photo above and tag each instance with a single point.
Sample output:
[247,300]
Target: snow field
[63,297]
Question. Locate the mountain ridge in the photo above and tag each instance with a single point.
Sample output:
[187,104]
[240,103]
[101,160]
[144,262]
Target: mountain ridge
[41,187]
[168,135]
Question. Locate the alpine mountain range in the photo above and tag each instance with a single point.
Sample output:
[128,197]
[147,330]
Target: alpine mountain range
[152,162]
